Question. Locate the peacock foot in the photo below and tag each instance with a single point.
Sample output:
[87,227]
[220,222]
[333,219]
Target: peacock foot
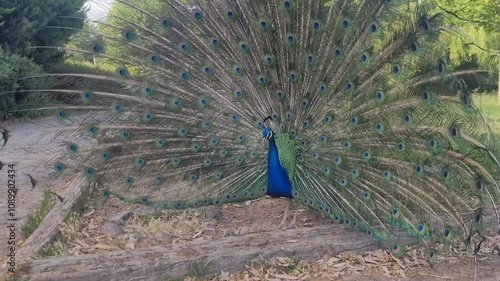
[282,226]
[293,223]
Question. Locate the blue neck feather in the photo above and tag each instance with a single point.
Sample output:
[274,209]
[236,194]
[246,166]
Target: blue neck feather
[278,184]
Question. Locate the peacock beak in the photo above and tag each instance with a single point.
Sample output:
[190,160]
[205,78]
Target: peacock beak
[265,140]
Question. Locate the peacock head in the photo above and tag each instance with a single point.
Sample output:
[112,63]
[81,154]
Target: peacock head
[267,133]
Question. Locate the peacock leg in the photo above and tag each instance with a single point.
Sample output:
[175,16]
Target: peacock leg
[285,215]
[292,224]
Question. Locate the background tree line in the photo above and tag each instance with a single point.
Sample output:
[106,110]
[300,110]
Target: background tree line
[28,27]
[24,26]
[480,21]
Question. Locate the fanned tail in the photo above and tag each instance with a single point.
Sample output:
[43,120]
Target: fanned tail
[361,87]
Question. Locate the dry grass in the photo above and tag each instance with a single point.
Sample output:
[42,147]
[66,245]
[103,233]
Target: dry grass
[327,268]
[183,224]
[82,234]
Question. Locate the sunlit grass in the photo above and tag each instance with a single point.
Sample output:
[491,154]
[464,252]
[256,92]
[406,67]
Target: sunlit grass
[490,107]
[35,219]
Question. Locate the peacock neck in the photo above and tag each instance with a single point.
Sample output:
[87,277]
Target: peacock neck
[272,156]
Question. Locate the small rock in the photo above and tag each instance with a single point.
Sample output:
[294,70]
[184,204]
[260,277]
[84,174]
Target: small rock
[134,237]
[148,210]
[162,236]
[121,218]
[112,229]
[244,230]
[216,215]
[227,232]
[207,226]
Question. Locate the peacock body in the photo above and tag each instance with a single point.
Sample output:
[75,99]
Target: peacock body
[363,126]
[280,165]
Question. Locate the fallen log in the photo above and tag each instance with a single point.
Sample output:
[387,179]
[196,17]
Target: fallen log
[48,229]
[209,256]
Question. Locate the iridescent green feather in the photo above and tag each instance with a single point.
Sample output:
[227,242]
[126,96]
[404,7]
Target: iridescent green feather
[287,153]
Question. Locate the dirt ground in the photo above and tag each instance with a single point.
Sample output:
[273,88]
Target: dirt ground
[21,151]
[175,226]
[83,234]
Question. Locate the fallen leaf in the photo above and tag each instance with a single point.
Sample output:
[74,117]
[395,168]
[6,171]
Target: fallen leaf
[369,259]
[400,263]
[106,247]
[402,273]
[333,260]
[89,213]
[386,271]
[197,234]
[343,264]
[286,277]
[81,243]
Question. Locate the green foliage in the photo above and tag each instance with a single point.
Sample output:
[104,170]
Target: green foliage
[35,219]
[198,269]
[468,47]
[26,23]
[82,40]
[459,52]
[483,13]
[14,90]
[32,29]
[491,110]
[113,28]
[479,24]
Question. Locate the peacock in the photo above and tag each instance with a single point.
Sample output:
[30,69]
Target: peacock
[350,108]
